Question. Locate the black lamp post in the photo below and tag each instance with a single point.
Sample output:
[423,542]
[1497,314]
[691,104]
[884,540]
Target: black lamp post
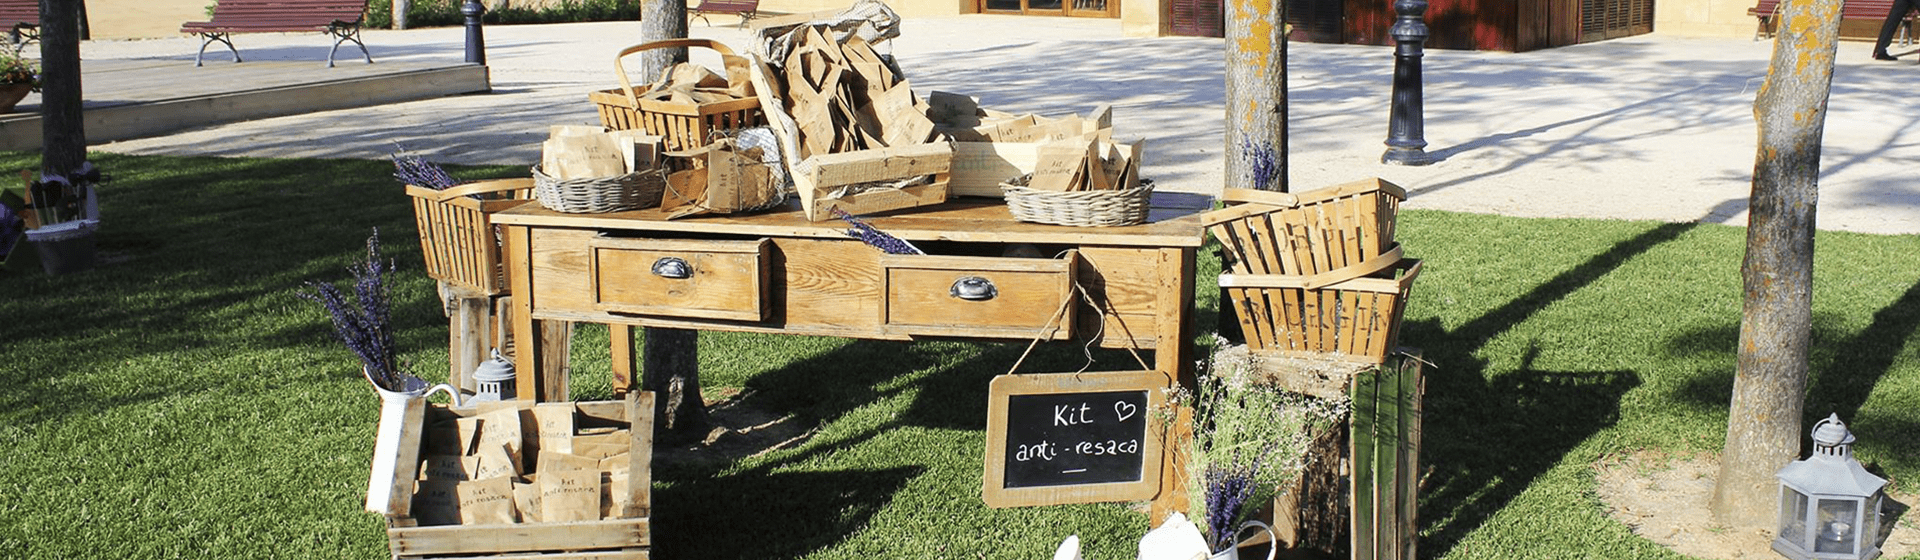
[1406,142]
[476,41]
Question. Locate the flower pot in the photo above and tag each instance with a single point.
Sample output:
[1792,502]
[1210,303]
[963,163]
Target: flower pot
[399,411]
[11,94]
[64,247]
[1233,552]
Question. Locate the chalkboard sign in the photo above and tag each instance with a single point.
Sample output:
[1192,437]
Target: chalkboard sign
[1065,438]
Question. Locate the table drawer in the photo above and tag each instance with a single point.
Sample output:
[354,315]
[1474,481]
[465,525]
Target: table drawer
[977,296]
[680,278]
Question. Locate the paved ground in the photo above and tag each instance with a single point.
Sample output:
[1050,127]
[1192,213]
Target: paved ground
[1648,127]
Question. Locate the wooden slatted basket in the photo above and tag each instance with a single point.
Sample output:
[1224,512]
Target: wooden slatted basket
[457,234]
[1330,234]
[1353,320]
[684,125]
[625,534]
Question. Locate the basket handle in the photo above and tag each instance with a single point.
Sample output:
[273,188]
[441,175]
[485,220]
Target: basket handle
[482,187]
[621,69]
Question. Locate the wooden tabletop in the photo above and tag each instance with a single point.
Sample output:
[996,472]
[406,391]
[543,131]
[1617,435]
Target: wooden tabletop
[962,219]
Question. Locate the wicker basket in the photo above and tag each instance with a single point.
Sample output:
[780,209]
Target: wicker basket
[457,234]
[1329,235]
[684,125]
[1101,208]
[1354,320]
[632,191]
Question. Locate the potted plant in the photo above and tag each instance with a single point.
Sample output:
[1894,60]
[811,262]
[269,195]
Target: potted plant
[1249,441]
[18,77]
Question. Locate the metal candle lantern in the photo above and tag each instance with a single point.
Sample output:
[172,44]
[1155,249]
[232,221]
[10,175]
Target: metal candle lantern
[493,380]
[1829,504]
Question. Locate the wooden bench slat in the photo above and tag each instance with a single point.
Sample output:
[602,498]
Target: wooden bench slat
[339,18]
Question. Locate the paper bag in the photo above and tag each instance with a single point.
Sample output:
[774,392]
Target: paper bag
[486,502]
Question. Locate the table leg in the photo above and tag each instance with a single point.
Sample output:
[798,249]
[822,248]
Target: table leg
[1173,354]
[620,337]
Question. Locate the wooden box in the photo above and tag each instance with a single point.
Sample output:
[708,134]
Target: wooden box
[1021,298]
[457,234]
[623,535]
[1357,319]
[820,178]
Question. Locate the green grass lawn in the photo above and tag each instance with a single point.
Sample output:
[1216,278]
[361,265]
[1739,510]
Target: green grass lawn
[179,402]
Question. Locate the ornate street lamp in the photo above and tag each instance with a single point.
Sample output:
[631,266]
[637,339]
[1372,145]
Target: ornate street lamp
[1829,504]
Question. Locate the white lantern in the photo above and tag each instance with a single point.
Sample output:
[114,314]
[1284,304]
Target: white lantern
[1829,504]
[494,380]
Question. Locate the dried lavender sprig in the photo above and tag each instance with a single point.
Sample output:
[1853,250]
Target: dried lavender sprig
[1265,162]
[365,325]
[412,170]
[876,238]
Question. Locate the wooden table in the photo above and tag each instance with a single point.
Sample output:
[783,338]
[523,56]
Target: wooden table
[988,277]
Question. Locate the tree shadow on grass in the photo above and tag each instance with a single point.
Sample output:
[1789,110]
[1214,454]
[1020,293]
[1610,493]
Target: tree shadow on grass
[1487,439]
[760,514]
[1843,370]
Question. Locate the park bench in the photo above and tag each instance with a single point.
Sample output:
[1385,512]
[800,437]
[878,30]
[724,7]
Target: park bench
[746,9]
[1768,12]
[21,18]
[340,19]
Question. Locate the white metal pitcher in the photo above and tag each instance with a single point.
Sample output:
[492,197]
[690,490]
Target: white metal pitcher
[399,411]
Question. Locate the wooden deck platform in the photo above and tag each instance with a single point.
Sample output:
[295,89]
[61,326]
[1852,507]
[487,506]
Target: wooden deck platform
[141,98]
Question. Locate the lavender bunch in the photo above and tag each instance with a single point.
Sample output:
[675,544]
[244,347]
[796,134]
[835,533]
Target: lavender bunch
[1265,162]
[1249,440]
[365,323]
[412,170]
[9,223]
[876,238]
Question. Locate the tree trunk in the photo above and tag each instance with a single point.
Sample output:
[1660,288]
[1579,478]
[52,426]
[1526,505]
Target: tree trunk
[1769,387]
[62,131]
[1256,150]
[661,20]
[671,370]
[671,356]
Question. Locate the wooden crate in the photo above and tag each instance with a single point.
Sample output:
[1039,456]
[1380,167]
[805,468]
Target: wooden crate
[625,536]
[684,125]
[1357,319]
[1325,235]
[1386,460]
[457,235]
[819,177]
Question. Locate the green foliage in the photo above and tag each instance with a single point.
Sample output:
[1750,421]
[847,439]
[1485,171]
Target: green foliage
[179,401]
[440,13]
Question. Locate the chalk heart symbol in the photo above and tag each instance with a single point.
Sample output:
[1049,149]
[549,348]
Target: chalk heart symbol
[1124,410]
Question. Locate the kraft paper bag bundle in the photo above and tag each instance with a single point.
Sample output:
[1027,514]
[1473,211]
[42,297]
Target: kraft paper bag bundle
[434,502]
[551,463]
[570,496]
[577,152]
[526,500]
[547,427]
[449,467]
[613,493]
[501,428]
[496,461]
[486,501]
[732,180]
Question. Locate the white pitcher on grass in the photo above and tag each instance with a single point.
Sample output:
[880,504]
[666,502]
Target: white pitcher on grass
[399,411]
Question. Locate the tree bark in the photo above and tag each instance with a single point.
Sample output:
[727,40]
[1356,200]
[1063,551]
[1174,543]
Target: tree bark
[62,132]
[661,20]
[1769,388]
[1256,150]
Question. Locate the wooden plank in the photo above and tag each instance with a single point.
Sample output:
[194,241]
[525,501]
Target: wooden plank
[1365,411]
[625,361]
[1174,330]
[1386,470]
[466,336]
[623,554]
[1413,388]
[640,406]
[523,537]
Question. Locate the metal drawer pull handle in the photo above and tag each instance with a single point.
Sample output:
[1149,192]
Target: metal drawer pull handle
[974,288]
[672,267]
